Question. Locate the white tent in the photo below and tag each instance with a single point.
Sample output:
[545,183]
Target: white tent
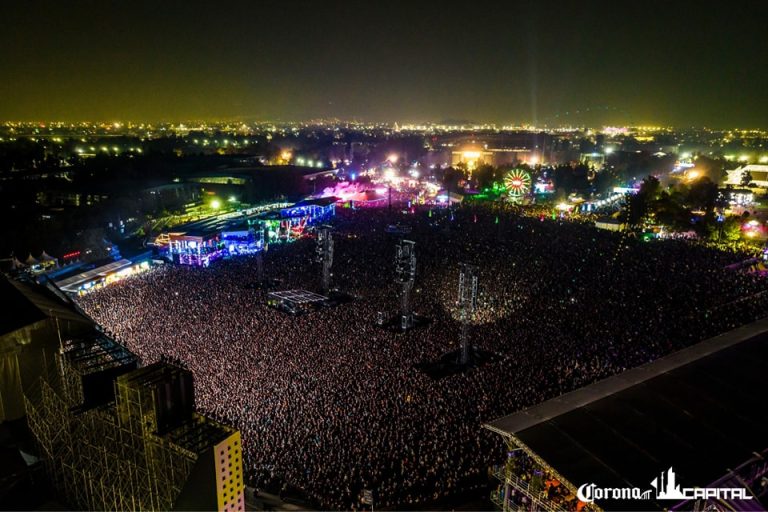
[48,261]
[46,257]
[31,260]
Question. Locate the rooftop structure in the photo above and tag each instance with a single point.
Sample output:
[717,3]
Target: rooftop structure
[695,410]
[32,320]
[100,275]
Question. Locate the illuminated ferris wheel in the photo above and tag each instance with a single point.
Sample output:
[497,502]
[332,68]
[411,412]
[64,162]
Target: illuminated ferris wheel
[517,182]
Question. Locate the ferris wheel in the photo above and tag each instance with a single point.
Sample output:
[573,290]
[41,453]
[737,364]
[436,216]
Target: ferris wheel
[517,182]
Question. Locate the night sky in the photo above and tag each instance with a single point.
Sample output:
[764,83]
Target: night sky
[675,63]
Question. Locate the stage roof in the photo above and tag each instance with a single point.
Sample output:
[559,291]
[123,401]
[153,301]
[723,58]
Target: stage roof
[26,304]
[71,284]
[700,410]
[18,311]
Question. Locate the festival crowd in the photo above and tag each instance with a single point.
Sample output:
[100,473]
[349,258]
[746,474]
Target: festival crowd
[332,404]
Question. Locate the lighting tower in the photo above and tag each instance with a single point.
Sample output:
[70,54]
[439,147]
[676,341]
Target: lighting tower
[265,237]
[324,254]
[467,306]
[260,268]
[261,234]
[405,274]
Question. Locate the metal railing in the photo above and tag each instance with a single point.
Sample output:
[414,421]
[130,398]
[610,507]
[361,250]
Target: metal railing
[538,499]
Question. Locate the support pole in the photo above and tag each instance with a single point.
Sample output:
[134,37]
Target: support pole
[324,255]
[467,306]
[260,268]
[405,274]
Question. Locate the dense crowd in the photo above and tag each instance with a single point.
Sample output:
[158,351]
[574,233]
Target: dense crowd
[332,404]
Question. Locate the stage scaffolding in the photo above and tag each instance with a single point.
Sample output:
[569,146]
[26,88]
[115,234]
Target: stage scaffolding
[508,496]
[110,456]
[405,275]
[324,255]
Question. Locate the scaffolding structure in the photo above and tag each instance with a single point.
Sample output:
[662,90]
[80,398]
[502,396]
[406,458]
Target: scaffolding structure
[324,255]
[109,453]
[467,302]
[515,494]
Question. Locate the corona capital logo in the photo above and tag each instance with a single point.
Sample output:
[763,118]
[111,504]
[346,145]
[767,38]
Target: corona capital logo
[665,487]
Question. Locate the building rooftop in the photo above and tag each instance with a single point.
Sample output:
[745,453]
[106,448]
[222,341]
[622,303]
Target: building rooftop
[72,283]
